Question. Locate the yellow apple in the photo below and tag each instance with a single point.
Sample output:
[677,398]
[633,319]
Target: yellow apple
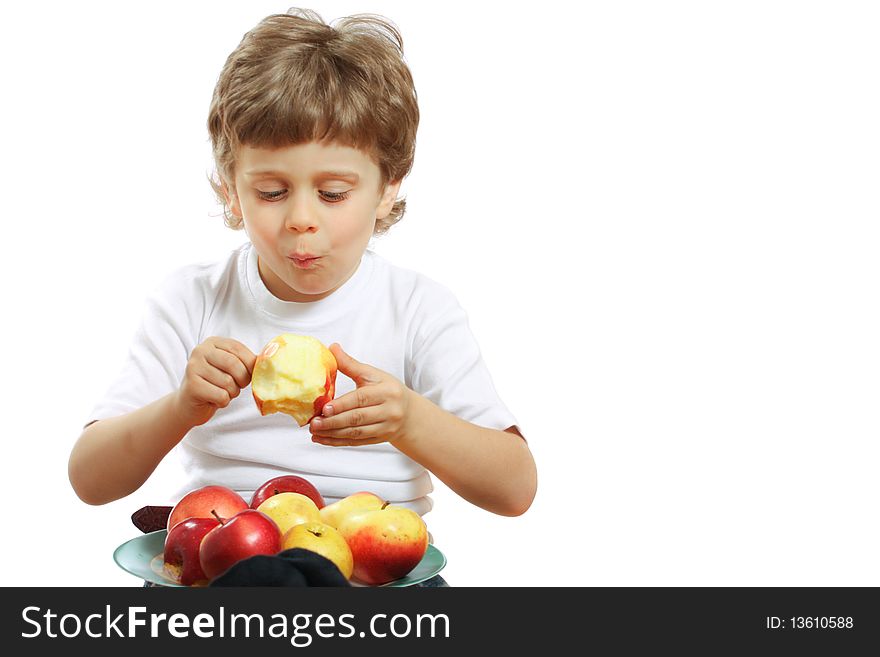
[289,509]
[323,539]
[334,514]
[296,375]
[386,544]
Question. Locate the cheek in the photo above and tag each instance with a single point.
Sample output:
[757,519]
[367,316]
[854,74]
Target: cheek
[359,226]
[251,228]
[354,229]
[258,222]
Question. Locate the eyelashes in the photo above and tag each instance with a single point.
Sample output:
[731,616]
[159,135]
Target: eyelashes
[334,197]
[329,197]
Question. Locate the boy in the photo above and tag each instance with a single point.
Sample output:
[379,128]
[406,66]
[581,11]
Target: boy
[313,130]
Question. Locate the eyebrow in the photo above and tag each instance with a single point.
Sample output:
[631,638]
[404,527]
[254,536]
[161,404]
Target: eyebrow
[340,173]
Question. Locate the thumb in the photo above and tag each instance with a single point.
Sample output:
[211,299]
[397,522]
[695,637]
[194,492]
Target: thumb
[357,371]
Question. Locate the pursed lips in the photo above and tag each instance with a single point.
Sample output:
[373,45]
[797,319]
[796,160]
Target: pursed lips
[303,260]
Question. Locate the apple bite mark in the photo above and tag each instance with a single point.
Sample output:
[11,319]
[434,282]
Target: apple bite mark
[295,375]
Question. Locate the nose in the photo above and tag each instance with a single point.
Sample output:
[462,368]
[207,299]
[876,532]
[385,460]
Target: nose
[301,216]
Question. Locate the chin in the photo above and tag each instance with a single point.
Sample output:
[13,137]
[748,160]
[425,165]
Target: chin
[308,290]
[299,286]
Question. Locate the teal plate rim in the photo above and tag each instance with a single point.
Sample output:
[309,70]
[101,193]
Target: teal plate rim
[141,556]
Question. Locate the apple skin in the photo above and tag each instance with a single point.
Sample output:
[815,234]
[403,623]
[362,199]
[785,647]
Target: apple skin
[334,514]
[290,509]
[323,539]
[246,534]
[296,375]
[386,544]
[181,555]
[286,484]
[202,502]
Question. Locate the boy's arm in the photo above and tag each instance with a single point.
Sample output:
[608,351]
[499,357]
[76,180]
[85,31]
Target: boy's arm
[491,468]
[114,457]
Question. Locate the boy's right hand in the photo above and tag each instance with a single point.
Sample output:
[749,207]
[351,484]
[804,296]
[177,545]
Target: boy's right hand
[216,372]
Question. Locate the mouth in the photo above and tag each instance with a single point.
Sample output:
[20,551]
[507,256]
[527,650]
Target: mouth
[303,260]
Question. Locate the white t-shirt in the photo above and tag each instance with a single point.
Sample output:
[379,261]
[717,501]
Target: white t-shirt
[391,318]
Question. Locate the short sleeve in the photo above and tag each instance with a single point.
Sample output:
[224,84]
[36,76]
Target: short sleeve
[447,367]
[159,351]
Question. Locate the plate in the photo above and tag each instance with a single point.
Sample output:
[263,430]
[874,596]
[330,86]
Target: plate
[142,557]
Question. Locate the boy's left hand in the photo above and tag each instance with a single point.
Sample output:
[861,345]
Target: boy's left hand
[376,411]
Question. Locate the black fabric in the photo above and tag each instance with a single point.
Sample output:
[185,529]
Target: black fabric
[294,567]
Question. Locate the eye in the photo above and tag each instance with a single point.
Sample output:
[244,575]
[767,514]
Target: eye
[272,196]
[333,197]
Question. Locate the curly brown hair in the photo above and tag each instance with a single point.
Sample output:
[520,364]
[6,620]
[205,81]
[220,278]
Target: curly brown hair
[295,79]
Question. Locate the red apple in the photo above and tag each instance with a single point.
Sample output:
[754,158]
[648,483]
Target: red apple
[385,543]
[286,484]
[296,375]
[203,502]
[182,549]
[244,535]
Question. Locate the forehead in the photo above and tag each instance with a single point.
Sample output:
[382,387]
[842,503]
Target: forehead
[307,159]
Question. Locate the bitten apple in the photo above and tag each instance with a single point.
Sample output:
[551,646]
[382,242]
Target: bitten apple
[286,484]
[203,502]
[323,539]
[334,514]
[296,375]
[246,534]
[289,509]
[181,555]
[386,544]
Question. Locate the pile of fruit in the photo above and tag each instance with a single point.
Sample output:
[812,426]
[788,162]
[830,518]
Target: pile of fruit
[213,527]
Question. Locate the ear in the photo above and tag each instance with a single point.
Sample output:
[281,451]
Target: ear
[389,196]
[231,198]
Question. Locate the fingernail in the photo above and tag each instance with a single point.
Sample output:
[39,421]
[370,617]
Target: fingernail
[328,410]
[317,422]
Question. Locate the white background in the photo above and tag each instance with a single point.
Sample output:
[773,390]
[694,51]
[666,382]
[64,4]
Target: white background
[662,219]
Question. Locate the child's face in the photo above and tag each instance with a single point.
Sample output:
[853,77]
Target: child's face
[309,211]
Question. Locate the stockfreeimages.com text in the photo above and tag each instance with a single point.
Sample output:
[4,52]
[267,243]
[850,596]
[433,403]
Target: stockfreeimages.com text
[300,629]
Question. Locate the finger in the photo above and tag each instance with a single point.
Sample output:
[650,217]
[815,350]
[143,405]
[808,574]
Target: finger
[357,417]
[209,393]
[358,398]
[357,371]
[230,364]
[357,434]
[247,357]
[220,379]
[345,442]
